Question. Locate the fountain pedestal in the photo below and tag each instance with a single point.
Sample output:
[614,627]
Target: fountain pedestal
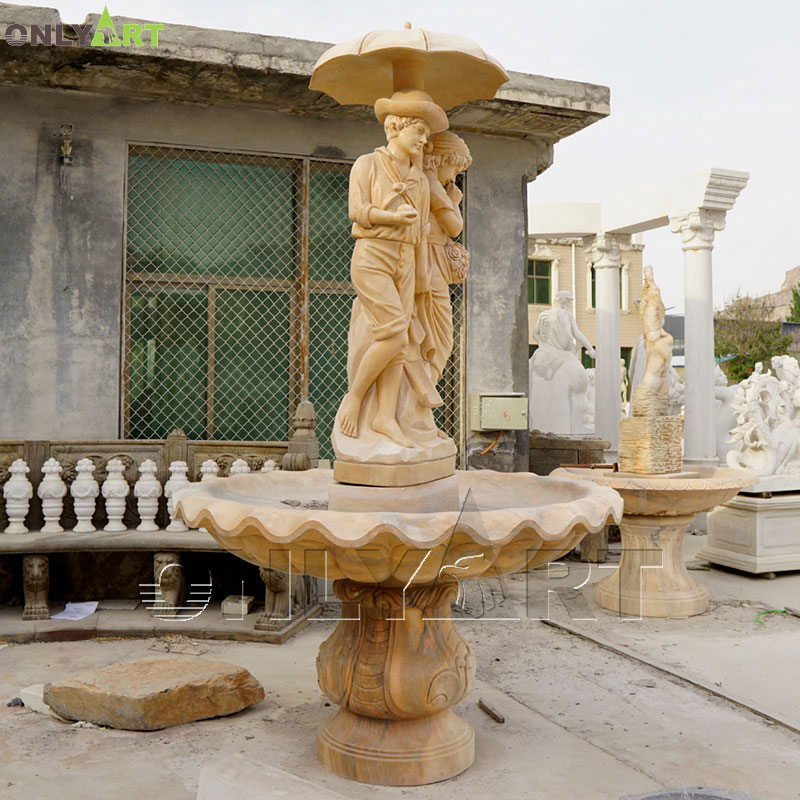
[395,665]
[652,580]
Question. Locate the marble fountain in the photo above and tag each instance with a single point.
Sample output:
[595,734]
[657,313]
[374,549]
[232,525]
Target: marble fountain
[394,524]
[661,496]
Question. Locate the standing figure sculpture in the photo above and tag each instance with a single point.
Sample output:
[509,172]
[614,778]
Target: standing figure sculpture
[650,439]
[557,380]
[386,418]
[446,155]
[651,396]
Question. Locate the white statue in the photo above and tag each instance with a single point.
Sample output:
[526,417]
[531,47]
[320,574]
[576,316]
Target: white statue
[588,406]
[676,393]
[724,415]
[557,380]
[766,432]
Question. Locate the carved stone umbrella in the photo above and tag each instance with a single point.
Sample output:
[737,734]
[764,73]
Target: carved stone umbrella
[451,69]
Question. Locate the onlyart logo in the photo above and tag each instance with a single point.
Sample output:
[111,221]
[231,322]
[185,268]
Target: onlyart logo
[87,35]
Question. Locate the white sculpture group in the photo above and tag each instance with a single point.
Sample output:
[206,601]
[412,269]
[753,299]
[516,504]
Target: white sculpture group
[765,436]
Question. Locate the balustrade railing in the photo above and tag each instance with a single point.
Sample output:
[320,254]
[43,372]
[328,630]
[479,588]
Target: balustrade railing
[114,485]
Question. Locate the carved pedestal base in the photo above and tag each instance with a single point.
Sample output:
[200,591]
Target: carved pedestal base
[652,580]
[395,669]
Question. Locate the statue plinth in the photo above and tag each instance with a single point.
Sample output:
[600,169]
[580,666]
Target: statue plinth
[650,445]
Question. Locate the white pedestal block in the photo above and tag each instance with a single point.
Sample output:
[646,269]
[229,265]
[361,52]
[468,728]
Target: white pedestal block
[755,534]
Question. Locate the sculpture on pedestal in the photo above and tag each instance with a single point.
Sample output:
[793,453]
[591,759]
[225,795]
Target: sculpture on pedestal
[385,417]
[650,439]
[557,382]
[766,434]
[168,574]
[661,498]
[36,583]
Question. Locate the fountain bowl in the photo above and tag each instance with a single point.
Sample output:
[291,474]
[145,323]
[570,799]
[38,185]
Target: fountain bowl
[395,664]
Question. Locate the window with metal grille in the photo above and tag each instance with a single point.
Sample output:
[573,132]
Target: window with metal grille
[539,281]
[237,296]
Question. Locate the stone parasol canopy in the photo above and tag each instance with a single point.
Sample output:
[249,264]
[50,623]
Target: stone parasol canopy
[451,69]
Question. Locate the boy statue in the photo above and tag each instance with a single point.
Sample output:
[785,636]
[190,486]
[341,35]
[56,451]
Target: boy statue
[389,206]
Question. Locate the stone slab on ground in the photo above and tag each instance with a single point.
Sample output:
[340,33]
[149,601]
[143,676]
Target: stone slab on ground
[240,778]
[154,693]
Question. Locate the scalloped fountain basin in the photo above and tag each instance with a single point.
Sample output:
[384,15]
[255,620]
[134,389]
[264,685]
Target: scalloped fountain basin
[396,663]
[502,523]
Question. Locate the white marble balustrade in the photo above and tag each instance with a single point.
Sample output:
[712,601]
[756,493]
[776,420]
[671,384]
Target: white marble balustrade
[89,496]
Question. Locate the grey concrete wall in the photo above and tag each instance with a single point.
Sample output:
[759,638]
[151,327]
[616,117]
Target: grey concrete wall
[497,300]
[61,260]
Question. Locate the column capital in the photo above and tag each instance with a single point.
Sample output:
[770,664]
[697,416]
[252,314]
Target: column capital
[603,249]
[697,227]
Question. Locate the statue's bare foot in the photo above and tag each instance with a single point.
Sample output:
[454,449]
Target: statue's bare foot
[390,429]
[441,434]
[348,415]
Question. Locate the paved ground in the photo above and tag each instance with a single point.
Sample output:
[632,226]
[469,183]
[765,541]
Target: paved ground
[594,709]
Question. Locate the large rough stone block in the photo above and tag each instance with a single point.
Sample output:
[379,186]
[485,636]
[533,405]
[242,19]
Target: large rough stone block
[154,693]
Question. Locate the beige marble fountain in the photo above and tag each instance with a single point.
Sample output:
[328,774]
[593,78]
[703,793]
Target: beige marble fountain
[394,524]
[661,498]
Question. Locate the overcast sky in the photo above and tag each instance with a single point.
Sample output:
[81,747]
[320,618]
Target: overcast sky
[694,84]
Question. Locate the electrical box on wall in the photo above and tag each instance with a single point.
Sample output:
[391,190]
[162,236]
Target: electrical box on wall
[498,412]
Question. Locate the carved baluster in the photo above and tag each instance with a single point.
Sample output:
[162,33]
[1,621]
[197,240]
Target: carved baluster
[178,478]
[239,467]
[115,490]
[84,491]
[51,491]
[208,470]
[269,466]
[147,490]
[18,492]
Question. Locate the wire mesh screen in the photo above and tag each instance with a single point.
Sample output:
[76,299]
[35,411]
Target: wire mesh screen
[238,296]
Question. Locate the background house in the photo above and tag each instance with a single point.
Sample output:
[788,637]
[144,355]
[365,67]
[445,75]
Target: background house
[562,264]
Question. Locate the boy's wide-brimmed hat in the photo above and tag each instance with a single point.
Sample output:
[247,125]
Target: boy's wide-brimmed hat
[412,103]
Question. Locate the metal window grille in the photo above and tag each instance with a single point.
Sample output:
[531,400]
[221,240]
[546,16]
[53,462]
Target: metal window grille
[238,296]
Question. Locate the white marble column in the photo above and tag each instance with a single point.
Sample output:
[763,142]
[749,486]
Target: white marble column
[697,230]
[603,251]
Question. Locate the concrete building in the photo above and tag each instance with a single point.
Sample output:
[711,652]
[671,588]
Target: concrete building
[564,264]
[176,243]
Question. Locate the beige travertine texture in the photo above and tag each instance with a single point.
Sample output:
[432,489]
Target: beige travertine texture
[650,445]
[440,495]
[154,693]
[505,522]
[652,580]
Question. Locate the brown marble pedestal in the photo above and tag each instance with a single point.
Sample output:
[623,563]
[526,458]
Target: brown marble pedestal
[395,668]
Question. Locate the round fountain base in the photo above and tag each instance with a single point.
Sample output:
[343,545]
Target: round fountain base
[396,752]
[652,580]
